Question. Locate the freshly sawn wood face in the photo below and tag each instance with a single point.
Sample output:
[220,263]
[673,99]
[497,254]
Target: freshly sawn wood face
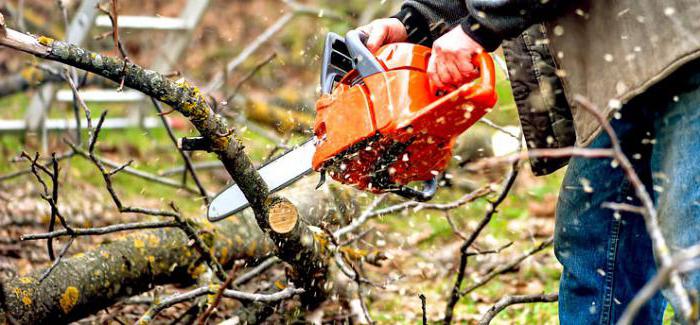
[283,217]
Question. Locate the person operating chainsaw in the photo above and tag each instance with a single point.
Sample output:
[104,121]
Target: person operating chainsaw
[637,62]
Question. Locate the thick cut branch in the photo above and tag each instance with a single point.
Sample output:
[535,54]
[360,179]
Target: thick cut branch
[85,283]
[298,246]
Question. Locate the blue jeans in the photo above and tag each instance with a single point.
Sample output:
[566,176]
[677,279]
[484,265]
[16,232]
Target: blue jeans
[607,256]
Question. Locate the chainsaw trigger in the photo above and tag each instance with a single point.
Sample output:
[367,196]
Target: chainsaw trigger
[425,194]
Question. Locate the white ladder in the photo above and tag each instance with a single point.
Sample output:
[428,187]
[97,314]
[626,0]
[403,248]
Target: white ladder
[181,29]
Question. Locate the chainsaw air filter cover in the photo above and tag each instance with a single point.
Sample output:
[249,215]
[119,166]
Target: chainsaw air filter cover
[378,126]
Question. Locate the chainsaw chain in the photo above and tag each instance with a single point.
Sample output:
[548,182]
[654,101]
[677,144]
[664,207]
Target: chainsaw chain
[380,175]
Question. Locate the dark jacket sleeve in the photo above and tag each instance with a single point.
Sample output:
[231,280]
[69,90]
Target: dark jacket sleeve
[488,22]
[427,20]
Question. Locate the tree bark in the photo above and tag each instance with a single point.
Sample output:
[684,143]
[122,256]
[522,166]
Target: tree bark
[88,282]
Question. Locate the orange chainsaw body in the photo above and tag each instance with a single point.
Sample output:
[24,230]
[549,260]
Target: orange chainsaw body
[389,129]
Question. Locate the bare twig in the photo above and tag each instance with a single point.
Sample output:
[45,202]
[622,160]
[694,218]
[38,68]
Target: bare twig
[67,155]
[58,260]
[245,277]
[205,165]
[79,100]
[52,198]
[132,171]
[507,267]
[271,31]
[623,207]
[107,176]
[416,206]
[219,293]
[456,230]
[361,220]
[540,153]
[185,157]
[77,232]
[250,75]
[423,308]
[113,15]
[71,73]
[491,251]
[199,244]
[497,127]
[358,280]
[507,301]
[228,293]
[490,210]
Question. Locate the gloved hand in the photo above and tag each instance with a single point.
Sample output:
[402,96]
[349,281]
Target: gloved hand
[450,62]
[384,31]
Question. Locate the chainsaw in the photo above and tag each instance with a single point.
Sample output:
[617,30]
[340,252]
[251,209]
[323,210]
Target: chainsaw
[378,126]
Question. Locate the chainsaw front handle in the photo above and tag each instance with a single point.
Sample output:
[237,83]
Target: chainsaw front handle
[336,62]
[364,61]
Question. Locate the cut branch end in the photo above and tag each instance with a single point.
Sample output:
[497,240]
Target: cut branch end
[283,216]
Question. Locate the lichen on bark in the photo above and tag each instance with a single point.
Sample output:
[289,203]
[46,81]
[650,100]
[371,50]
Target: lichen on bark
[127,266]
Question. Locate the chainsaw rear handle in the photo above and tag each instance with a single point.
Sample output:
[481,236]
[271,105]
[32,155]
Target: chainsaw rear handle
[366,64]
[483,92]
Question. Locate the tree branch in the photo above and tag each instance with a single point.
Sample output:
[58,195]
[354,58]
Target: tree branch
[234,294]
[507,301]
[464,250]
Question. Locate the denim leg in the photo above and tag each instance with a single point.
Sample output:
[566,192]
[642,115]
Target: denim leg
[677,171]
[606,256]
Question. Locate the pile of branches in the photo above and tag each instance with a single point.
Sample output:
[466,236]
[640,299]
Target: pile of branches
[312,235]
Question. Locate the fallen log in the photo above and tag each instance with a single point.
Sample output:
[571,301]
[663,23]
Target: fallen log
[88,282]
